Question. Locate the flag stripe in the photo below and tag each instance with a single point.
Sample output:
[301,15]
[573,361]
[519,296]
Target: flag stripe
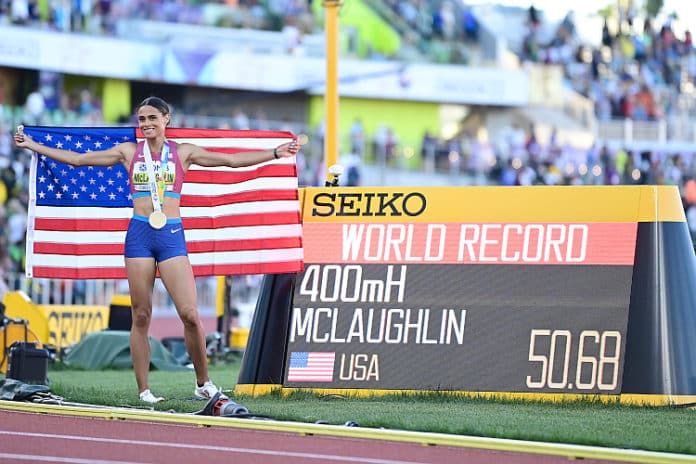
[71,225]
[277,267]
[198,259]
[269,206]
[248,244]
[73,272]
[215,188]
[244,197]
[236,221]
[226,233]
[241,220]
[77,249]
[50,212]
[84,237]
[266,207]
[199,270]
[226,177]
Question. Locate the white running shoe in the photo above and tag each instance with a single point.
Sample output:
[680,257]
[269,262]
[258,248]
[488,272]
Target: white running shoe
[207,391]
[147,397]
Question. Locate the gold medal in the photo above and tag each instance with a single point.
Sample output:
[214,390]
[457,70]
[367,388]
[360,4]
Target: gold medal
[157,219]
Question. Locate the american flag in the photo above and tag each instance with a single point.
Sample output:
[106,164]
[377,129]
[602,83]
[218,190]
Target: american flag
[313,366]
[237,221]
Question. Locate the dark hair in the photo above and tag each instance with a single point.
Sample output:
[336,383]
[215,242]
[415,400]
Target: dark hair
[155,102]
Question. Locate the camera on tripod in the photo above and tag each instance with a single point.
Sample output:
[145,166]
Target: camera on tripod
[335,170]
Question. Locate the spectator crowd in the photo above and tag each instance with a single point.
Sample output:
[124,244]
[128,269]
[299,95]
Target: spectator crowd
[642,71]
[101,16]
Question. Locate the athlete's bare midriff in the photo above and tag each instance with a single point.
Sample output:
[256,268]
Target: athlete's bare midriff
[143,207]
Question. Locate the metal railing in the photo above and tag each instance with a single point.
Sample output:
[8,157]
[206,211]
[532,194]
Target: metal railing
[101,292]
[678,132]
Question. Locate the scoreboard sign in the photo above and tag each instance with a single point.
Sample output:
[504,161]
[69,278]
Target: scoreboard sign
[459,289]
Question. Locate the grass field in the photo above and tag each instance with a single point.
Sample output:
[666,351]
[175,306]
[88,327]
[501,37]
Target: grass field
[664,429]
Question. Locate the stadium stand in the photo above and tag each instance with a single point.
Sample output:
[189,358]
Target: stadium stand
[638,83]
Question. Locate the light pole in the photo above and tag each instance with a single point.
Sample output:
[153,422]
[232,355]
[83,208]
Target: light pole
[331,95]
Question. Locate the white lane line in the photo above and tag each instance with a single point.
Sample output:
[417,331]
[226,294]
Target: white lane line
[35,457]
[195,446]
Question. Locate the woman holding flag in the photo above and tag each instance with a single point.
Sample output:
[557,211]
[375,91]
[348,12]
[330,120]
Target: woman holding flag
[155,237]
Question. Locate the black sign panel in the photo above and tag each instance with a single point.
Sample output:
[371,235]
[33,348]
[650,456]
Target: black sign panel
[539,328]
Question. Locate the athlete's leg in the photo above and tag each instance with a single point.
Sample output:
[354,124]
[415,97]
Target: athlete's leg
[141,280]
[177,276]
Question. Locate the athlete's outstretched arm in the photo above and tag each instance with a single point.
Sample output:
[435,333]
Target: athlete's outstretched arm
[193,154]
[115,155]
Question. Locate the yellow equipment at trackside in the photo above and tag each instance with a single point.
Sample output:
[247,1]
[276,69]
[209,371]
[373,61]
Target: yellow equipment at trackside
[58,326]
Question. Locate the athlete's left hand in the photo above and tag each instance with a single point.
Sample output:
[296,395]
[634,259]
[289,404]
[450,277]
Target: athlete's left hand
[288,149]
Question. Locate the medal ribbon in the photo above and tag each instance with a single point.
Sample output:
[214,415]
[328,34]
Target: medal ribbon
[156,185]
[162,181]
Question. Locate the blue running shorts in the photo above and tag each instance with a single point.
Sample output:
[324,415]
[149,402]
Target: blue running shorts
[144,241]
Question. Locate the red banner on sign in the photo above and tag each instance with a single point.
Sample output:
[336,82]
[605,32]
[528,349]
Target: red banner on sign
[471,243]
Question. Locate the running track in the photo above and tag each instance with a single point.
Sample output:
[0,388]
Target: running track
[32,433]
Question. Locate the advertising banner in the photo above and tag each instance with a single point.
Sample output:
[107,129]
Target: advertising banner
[181,58]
